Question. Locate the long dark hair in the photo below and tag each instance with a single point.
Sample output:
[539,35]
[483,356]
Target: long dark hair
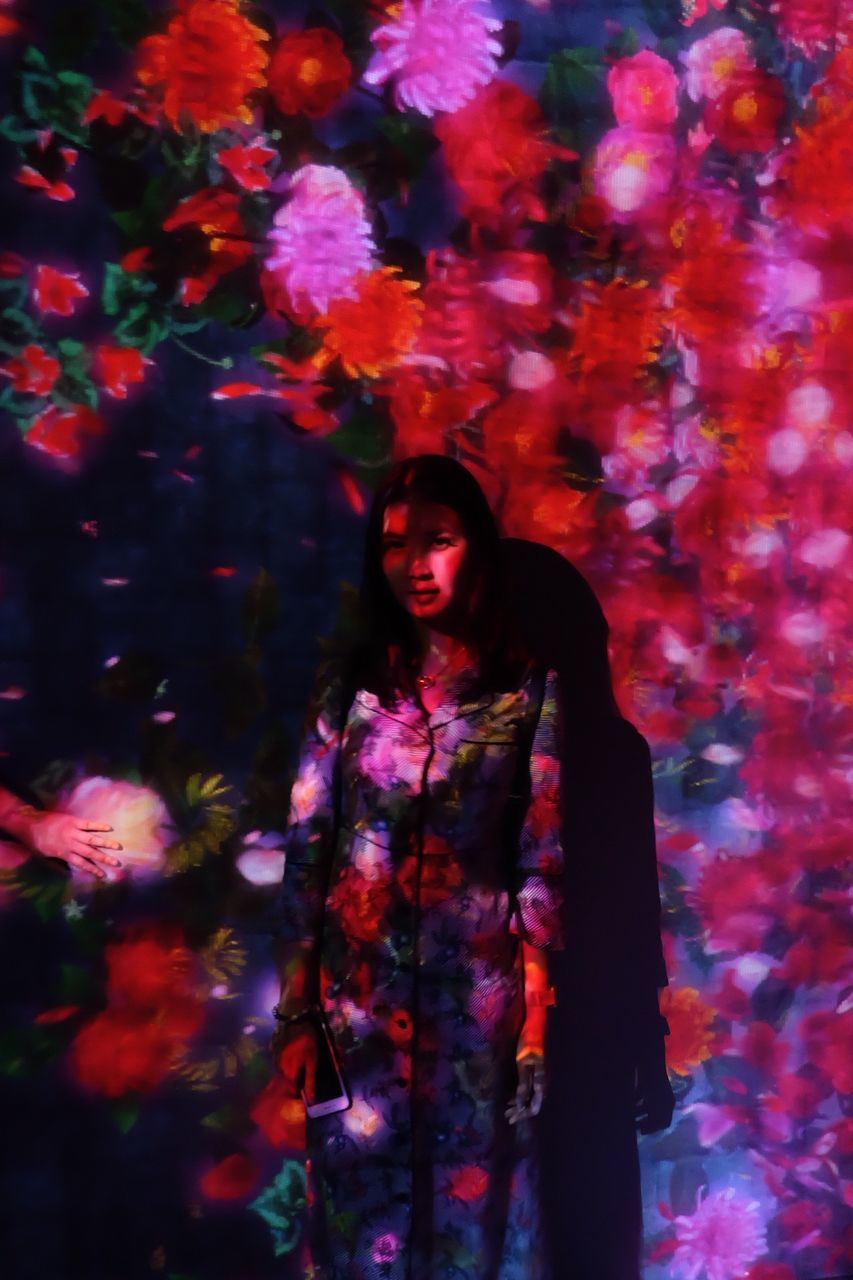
[385,657]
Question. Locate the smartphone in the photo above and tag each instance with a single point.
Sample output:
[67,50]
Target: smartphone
[330,1092]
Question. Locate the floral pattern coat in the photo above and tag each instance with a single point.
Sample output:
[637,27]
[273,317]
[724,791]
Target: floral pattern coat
[414,903]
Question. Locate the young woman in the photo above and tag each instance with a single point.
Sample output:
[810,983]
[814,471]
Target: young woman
[421,889]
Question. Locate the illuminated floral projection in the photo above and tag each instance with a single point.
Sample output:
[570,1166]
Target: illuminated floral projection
[604,256]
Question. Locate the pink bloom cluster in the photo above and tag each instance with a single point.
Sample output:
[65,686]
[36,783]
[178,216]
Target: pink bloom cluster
[437,52]
[321,241]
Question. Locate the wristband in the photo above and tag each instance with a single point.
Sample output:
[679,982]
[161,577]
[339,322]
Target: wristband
[288,1019]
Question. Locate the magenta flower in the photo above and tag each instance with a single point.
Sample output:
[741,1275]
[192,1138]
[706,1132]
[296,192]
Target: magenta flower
[438,52]
[644,89]
[632,167]
[320,240]
[720,1240]
[714,60]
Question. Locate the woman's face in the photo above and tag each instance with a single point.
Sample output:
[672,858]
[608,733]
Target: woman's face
[424,558]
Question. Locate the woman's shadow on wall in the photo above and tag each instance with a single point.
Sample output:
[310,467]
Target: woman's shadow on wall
[605,1056]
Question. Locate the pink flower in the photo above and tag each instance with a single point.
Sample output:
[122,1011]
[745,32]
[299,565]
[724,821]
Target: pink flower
[811,25]
[320,243]
[438,52]
[632,167]
[644,90]
[713,60]
[720,1239]
[261,860]
[693,10]
[138,817]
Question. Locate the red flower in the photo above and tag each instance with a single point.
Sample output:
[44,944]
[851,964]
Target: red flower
[57,291]
[360,904]
[122,1051]
[424,410]
[48,166]
[116,367]
[216,213]
[34,370]
[746,114]
[309,72]
[372,332]
[233,1178]
[63,433]
[149,967]
[245,164]
[279,1115]
[497,145]
[713,279]
[468,1183]
[207,62]
[817,172]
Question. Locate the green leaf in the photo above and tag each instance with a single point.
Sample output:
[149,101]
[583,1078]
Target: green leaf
[574,84]
[126,1113]
[34,58]
[16,131]
[130,20]
[365,438]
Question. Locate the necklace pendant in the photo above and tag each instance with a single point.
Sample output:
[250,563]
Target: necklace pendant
[422,683]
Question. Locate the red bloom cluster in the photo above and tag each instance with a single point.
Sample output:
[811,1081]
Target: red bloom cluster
[153,1009]
[309,72]
[206,63]
[216,213]
[496,149]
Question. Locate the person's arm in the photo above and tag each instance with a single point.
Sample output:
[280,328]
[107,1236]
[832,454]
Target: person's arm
[78,841]
[308,850]
[539,897]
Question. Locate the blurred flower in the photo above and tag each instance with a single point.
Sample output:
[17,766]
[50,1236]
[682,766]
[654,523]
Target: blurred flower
[321,242]
[644,90]
[63,433]
[33,371]
[495,147]
[149,967]
[467,1183]
[724,1235]
[154,1008]
[816,173]
[309,72]
[713,280]
[713,60]
[745,115]
[438,52]
[618,331]
[261,859]
[631,168]
[690,1022]
[245,164]
[116,368]
[695,9]
[122,1051]
[215,212]
[280,1116]
[360,903]
[385,1248]
[373,330]
[57,292]
[425,408]
[233,1178]
[362,1120]
[138,817]
[207,62]
[811,25]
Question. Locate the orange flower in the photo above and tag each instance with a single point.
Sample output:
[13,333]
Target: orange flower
[690,1038]
[374,330]
[618,331]
[208,61]
[712,281]
[309,72]
[216,213]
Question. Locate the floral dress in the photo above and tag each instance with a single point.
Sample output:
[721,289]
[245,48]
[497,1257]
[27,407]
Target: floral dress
[416,898]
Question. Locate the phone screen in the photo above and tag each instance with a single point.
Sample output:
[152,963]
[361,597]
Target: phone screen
[330,1093]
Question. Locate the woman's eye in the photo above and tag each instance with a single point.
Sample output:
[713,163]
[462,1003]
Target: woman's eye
[442,541]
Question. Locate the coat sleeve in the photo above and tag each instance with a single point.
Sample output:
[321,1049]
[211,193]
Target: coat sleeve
[539,863]
[312,819]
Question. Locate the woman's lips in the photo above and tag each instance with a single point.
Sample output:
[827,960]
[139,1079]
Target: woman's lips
[422,596]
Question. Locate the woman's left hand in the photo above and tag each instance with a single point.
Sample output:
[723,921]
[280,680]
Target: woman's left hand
[530,1092]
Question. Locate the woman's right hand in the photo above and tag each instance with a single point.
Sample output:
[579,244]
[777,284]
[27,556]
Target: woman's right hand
[294,1047]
